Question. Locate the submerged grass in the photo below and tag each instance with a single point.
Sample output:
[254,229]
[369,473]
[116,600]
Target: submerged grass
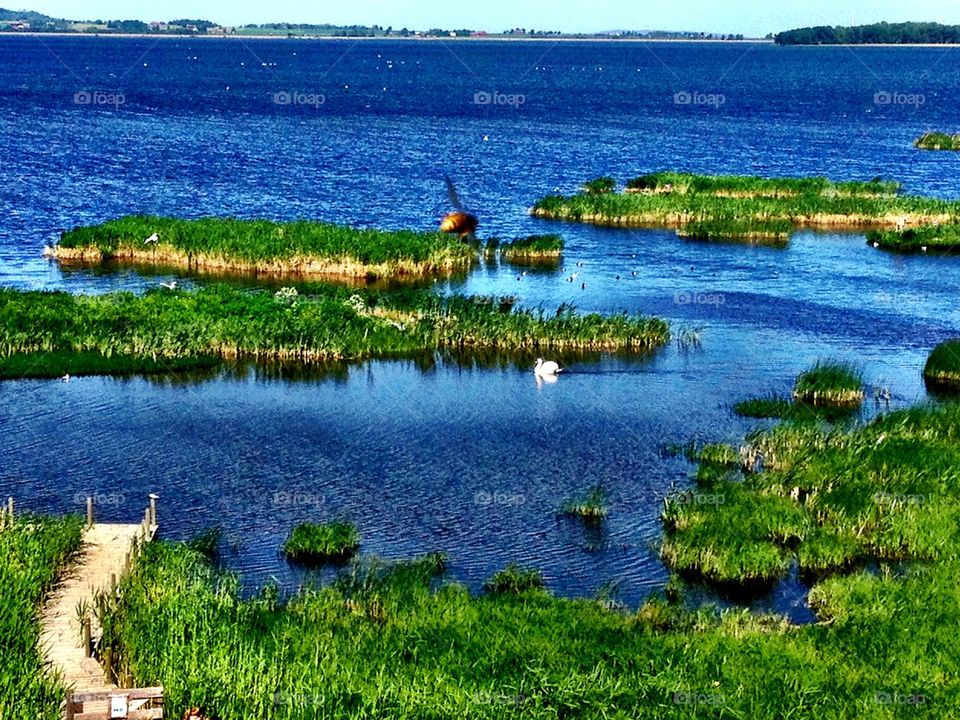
[830,384]
[677,200]
[40,330]
[590,508]
[318,543]
[937,141]
[34,551]
[265,247]
[933,238]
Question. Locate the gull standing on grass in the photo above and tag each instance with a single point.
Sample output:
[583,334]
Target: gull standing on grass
[152,239]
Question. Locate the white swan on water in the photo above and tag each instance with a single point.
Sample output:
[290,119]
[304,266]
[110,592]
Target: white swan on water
[546,369]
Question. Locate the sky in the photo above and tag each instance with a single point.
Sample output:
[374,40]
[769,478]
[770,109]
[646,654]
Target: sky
[754,18]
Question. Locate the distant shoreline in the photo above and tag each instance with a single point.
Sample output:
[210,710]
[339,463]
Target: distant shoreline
[495,38]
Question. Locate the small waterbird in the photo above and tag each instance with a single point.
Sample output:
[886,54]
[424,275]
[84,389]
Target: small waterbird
[172,285]
[546,369]
[458,222]
[152,239]
[65,378]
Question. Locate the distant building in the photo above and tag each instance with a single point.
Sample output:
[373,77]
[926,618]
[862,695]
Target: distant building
[21,25]
[479,33]
[158,26]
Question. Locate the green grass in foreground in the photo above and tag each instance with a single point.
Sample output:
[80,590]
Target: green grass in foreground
[34,550]
[943,364]
[937,141]
[38,330]
[295,247]
[933,238]
[313,543]
[750,203]
[388,641]
[831,384]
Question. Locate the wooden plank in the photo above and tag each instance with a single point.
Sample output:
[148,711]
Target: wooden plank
[152,714]
[150,693]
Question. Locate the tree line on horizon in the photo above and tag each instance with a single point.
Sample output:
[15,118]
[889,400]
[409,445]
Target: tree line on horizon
[908,33]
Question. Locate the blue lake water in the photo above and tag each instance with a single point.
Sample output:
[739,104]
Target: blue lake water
[473,461]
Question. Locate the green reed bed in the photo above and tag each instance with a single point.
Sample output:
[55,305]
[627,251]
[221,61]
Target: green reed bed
[873,205]
[318,543]
[392,640]
[933,238]
[600,185]
[266,247]
[828,500]
[685,183]
[943,365]
[830,384]
[937,141]
[782,408]
[34,551]
[319,324]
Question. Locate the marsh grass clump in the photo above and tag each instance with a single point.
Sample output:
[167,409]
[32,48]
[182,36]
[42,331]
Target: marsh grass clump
[514,580]
[318,543]
[943,238]
[533,249]
[35,551]
[832,384]
[753,186]
[942,368]
[591,508]
[267,248]
[48,333]
[600,185]
[937,141]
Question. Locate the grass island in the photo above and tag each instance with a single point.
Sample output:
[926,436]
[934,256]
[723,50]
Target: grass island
[53,333]
[749,208]
[303,248]
[937,141]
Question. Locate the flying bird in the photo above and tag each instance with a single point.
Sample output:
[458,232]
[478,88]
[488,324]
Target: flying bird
[152,239]
[458,222]
[172,285]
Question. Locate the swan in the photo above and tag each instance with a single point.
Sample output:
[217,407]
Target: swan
[152,239]
[172,285]
[546,369]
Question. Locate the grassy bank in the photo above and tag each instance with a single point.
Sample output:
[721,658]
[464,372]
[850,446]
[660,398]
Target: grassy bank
[34,550]
[318,543]
[303,248]
[830,384]
[533,249]
[937,141]
[773,233]
[43,330]
[677,200]
[932,238]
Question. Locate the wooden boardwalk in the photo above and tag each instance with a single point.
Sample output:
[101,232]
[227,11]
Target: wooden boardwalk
[102,560]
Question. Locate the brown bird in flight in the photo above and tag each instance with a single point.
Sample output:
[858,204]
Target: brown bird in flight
[459,221]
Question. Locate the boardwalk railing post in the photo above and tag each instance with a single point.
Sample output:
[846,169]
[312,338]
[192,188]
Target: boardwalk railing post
[89,512]
[87,644]
[10,509]
[153,508]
